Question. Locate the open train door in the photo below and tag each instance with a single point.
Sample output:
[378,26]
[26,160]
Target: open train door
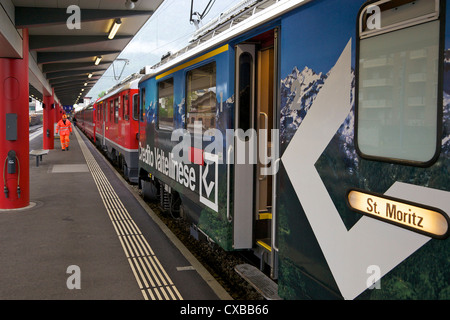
[256,102]
[244,168]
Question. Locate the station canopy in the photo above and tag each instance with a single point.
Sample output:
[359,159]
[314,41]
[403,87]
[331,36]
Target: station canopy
[63,56]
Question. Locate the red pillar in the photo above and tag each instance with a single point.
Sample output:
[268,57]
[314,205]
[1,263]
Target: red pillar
[48,123]
[14,129]
[58,113]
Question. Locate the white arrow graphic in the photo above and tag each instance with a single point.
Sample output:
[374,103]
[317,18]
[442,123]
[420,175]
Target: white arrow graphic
[369,242]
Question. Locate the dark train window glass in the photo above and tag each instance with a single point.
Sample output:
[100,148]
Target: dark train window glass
[111,111]
[142,105]
[165,104]
[135,106]
[125,107]
[201,97]
[245,82]
[102,111]
[116,110]
[398,78]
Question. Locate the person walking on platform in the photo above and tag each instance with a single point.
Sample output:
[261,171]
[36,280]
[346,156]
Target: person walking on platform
[64,127]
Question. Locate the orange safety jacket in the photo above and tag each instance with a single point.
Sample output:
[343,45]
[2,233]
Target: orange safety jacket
[64,129]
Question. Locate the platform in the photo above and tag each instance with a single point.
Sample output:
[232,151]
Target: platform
[87,235]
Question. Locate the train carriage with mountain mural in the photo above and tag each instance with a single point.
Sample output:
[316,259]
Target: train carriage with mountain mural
[315,134]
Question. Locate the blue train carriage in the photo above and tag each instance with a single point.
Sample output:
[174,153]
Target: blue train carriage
[182,104]
[349,199]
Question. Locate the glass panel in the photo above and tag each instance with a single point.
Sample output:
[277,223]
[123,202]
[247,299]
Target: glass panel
[201,96]
[245,91]
[165,104]
[126,110]
[396,13]
[142,105]
[398,83]
[116,110]
[135,106]
[111,111]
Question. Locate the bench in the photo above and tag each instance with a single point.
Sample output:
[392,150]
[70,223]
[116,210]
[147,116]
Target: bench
[38,154]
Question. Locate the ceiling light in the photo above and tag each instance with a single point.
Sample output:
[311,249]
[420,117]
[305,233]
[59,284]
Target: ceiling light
[90,75]
[115,28]
[97,60]
[85,84]
[129,4]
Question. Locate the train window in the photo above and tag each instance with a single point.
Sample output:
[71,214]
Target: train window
[135,106]
[125,108]
[116,110]
[397,102]
[142,105]
[201,96]
[111,111]
[245,91]
[165,104]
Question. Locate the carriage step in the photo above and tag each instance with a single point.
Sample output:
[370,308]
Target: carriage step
[258,280]
[264,243]
[264,215]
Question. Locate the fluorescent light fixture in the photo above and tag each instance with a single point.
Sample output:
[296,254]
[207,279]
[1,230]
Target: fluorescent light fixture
[97,60]
[115,28]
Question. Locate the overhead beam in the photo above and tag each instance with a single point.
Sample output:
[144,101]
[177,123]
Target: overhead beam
[49,57]
[28,17]
[61,74]
[40,42]
[54,67]
[55,82]
[63,94]
[73,85]
[10,38]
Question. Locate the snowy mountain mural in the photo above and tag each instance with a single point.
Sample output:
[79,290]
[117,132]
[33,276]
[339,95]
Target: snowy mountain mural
[298,92]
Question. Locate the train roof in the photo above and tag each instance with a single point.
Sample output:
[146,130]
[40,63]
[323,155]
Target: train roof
[131,82]
[245,16]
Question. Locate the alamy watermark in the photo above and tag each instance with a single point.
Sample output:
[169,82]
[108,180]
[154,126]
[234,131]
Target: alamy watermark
[236,147]
[74,280]
[373,21]
[74,20]
[374,279]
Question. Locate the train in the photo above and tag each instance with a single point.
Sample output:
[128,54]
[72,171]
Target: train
[35,119]
[111,123]
[314,134]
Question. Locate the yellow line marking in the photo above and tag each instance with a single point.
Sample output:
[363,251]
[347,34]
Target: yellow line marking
[194,61]
[135,246]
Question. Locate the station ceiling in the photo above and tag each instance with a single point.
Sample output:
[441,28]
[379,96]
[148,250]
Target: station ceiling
[66,55]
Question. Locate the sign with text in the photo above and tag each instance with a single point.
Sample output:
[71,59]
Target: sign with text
[425,220]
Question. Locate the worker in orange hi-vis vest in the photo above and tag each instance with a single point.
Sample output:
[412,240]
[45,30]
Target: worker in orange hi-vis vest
[64,127]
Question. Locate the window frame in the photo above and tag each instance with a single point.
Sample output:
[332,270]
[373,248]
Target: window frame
[125,107]
[136,106]
[158,105]
[116,109]
[439,101]
[111,111]
[142,105]
[186,83]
